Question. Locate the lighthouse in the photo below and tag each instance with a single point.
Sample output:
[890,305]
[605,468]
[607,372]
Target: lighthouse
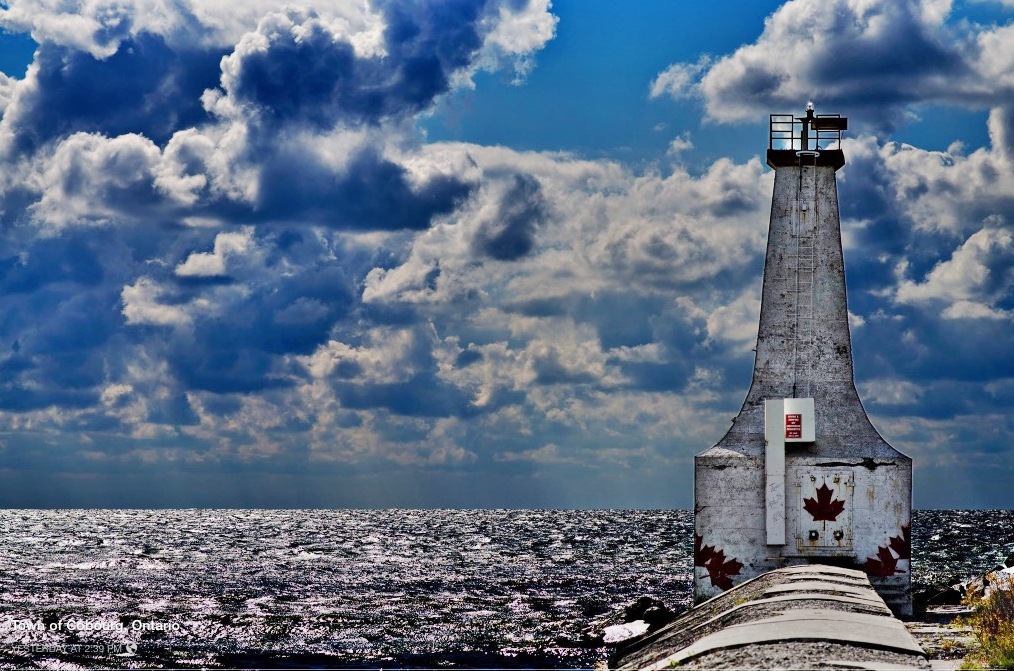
[802,476]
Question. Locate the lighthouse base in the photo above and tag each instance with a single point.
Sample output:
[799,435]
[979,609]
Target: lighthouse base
[850,513]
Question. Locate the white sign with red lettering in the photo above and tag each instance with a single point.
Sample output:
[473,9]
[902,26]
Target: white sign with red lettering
[799,420]
[794,425]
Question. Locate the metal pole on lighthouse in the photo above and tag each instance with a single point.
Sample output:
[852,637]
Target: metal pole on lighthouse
[802,476]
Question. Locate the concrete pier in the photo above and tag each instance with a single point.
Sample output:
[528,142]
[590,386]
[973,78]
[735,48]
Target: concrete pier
[802,476]
[802,617]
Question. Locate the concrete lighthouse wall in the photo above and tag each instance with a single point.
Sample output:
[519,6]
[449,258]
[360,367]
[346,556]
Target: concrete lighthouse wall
[845,498]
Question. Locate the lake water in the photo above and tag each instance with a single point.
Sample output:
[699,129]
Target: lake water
[364,588]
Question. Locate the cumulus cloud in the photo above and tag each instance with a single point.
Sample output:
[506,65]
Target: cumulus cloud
[678,80]
[978,275]
[144,87]
[213,264]
[100,28]
[141,305]
[873,59]
[91,179]
[603,280]
[247,113]
[300,65]
[7,87]
[680,144]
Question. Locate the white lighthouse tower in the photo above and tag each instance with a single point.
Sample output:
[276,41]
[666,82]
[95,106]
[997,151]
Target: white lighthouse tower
[802,476]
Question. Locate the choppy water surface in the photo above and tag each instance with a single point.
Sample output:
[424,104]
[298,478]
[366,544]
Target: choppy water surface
[316,588]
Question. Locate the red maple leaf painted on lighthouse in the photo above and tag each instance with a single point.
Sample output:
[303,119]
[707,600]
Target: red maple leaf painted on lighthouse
[719,570]
[885,563]
[823,508]
[902,544]
[702,553]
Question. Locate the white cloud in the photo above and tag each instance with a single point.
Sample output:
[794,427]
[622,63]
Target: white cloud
[879,56]
[91,178]
[977,274]
[141,306]
[387,355]
[213,264]
[891,392]
[680,144]
[516,35]
[8,85]
[679,80]
[938,191]
[737,321]
[547,454]
[99,26]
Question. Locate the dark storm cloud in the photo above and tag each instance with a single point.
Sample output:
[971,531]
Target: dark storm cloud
[903,41]
[64,351]
[423,395]
[510,235]
[550,370]
[75,320]
[292,316]
[620,319]
[303,73]
[864,191]
[237,349]
[145,88]
[372,193]
[920,346]
[227,369]
[17,398]
[310,79]
[59,315]
[73,258]
[308,73]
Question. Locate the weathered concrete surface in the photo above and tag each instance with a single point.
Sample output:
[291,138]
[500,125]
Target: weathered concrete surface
[828,616]
[820,625]
[847,496]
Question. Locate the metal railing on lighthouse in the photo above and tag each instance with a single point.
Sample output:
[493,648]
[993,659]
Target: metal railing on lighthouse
[815,138]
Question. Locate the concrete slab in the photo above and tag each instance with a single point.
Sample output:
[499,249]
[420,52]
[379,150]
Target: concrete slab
[877,604]
[795,616]
[833,580]
[804,624]
[797,598]
[822,586]
[852,580]
[810,575]
[825,569]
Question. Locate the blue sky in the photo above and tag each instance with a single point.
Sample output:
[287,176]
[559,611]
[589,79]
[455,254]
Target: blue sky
[478,253]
